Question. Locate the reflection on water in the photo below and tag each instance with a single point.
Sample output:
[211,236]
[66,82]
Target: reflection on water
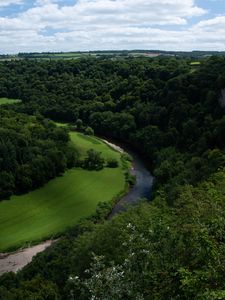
[141,189]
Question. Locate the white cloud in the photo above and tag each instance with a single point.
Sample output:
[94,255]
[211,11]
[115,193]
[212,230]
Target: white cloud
[111,24]
[45,2]
[9,2]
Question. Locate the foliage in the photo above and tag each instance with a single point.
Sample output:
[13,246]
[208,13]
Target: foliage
[62,202]
[89,131]
[169,112]
[37,288]
[112,163]
[150,252]
[165,253]
[152,104]
[32,151]
[126,156]
[93,161]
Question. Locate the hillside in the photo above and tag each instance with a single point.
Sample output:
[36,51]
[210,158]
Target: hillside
[50,210]
[168,110]
[32,151]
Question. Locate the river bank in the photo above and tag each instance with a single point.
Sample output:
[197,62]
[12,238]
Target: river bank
[141,189]
[13,262]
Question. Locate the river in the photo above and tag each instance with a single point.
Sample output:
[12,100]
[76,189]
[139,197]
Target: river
[141,189]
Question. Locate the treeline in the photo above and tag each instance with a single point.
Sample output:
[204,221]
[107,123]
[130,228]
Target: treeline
[187,54]
[151,252]
[165,108]
[32,151]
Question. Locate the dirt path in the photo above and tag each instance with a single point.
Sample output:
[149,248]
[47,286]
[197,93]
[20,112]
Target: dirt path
[12,262]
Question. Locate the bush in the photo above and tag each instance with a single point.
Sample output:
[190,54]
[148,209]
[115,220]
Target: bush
[127,157]
[93,161]
[89,131]
[112,163]
[131,179]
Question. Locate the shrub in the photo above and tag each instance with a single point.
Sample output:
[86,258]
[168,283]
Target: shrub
[112,163]
[93,161]
[89,131]
[127,157]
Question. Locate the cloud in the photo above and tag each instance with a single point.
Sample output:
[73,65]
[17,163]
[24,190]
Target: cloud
[9,2]
[45,2]
[111,24]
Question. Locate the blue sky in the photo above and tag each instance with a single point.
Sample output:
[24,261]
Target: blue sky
[214,6]
[66,25]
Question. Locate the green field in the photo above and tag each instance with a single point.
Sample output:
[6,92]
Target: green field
[83,143]
[61,202]
[52,56]
[195,63]
[68,55]
[9,101]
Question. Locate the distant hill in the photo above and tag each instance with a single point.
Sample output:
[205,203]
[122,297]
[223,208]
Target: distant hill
[110,53]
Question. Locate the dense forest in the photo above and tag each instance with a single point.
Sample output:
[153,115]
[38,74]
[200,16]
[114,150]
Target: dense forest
[164,107]
[171,113]
[150,252]
[32,151]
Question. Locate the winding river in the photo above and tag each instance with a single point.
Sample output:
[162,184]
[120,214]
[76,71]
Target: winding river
[141,189]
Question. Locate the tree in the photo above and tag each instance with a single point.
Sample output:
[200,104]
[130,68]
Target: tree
[79,124]
[94,160]
[7,184]
[32,151]
[37,288]
[89,131]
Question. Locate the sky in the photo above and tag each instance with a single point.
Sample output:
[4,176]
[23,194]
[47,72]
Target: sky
[82,25]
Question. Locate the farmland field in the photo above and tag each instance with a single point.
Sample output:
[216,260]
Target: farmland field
[62,202]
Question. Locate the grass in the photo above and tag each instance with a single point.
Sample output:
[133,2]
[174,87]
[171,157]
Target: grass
[9,101]
[61,124]
[83,143]
[195,63]
[65,56]
[62,202]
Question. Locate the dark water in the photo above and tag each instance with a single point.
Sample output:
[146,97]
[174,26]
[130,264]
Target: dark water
[141,189]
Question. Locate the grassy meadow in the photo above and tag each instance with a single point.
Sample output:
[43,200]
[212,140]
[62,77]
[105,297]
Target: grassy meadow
[195,63]
[62,202]
[83,143]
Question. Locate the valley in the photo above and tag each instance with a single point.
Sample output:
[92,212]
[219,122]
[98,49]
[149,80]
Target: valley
[64,176]
[50,210]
